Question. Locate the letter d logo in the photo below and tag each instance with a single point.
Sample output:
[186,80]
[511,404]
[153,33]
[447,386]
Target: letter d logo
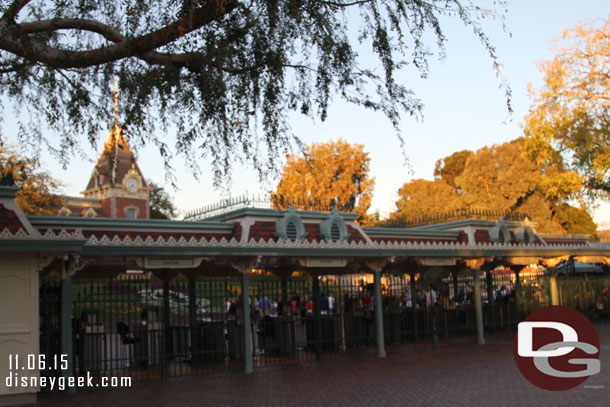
[526,338]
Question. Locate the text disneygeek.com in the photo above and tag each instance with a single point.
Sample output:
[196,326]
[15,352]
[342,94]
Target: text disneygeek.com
[61,383]
[24,372]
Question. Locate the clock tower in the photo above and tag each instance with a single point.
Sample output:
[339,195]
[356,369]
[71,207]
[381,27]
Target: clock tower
[117,181]
[117,188]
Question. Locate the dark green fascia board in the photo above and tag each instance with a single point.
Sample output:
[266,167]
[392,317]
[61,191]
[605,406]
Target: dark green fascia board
[465,223]
[157,224]
[573,236]
[377,231]
[8,192]
[42,246]
[330,252]
[274,213]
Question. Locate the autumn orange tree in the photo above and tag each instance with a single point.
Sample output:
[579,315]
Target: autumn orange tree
[423,198]
[327,175]
[452,166]
[504,178]
[501,178]
[36,195]
[570,113]
[420,197]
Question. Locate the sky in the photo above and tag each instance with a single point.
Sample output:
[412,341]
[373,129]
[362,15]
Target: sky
[464,109]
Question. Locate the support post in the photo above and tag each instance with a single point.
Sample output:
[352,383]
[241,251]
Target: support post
[66,322]
[285,294]
[244,266]
[193,320]
[166,333]
[413,304]
[554,289]
[317,323]
[517,271]
[491,301]
[517,264]
[247,330]
[478,309]
[455,272]
[475,265]
[379,316]
[550,264]
[518,294]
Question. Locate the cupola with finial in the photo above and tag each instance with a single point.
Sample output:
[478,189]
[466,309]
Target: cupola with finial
[117,181]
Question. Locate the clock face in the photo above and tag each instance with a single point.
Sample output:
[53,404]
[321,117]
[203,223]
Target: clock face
[132,185]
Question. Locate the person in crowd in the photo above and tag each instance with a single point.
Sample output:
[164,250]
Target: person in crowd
[430,297]
[228,304]
[408,303]
[331,304]
[366,300]
[294,306]
[309,306]
[303,306]
[323,304]
[296,298]
[265,306]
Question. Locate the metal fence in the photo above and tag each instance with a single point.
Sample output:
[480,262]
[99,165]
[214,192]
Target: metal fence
[147,328]
[50,322]
[589,294]
[140,326]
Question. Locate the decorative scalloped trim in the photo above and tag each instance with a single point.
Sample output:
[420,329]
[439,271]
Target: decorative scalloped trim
[63,234]
[314,244]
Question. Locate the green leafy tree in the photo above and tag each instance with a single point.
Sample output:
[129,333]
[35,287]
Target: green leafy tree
[570,113]
[37,189]
[160,204]
[225,73]
[332,174]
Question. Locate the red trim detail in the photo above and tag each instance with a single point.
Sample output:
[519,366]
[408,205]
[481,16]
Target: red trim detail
[9,220]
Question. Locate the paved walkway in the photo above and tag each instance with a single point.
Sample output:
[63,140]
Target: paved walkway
[462,375]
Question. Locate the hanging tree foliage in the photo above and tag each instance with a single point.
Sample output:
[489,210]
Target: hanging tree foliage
[161,205]
[224,74]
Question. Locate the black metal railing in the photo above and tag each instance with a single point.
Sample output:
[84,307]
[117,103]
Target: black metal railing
[450,216]
[271,201]
[142,327]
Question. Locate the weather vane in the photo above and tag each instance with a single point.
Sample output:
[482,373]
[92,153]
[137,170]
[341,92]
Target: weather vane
[116,102]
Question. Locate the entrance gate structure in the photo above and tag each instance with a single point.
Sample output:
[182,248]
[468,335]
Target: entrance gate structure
[252,287]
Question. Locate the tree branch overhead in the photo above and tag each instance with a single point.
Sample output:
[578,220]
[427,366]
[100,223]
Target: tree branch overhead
[224,73]
[13,38]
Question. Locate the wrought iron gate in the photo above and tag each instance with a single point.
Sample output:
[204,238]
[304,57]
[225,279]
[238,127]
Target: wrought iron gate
[140,326]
